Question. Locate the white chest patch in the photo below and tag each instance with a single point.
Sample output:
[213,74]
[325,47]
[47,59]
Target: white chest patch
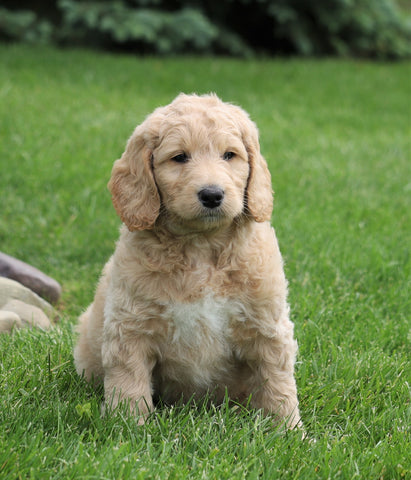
[205,319]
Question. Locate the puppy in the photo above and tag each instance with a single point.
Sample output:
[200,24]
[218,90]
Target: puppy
[193,301]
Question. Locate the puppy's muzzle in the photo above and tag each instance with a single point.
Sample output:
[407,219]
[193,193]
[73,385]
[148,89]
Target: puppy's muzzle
[211,196]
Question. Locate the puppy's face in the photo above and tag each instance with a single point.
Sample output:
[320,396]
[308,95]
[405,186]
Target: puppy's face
[201,168]
[194,164]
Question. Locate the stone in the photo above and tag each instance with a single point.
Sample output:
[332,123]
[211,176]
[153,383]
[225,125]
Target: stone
[12,290]
[29,314]
[31,277]
[8,321]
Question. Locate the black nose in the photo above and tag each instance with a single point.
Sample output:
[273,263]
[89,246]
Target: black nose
[211,197]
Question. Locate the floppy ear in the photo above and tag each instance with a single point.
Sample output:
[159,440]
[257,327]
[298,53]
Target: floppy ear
[259,193]
[132,186]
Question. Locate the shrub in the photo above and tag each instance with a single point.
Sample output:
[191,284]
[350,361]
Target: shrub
[367,28]
[143,29]
[24,25]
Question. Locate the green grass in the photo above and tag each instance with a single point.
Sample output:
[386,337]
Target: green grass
[336,135]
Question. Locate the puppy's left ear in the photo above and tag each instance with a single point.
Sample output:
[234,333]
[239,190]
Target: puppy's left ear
[259,193]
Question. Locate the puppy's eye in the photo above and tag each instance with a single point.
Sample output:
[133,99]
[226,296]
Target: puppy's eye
[228,155]
[181,158]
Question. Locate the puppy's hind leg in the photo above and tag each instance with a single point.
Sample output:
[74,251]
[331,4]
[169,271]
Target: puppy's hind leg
[87,352]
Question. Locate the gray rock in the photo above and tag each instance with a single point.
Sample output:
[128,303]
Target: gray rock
[8,321]
[11,290]
[32,316]
[29,276]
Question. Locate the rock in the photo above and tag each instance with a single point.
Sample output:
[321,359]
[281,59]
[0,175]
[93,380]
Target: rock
[11,290]
[29,276]
[9,320]
[29,314]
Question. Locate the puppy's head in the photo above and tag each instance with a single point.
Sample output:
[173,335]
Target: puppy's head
[197,163]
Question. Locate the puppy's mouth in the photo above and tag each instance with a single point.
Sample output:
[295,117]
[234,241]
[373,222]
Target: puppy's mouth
[212,216]
[202,219]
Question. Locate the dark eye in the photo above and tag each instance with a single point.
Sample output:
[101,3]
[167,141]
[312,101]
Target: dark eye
[181,158]
[228,155]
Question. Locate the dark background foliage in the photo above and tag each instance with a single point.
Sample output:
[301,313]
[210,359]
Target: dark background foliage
[362,28]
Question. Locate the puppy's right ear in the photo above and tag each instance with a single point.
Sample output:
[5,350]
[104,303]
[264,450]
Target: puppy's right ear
[132,186]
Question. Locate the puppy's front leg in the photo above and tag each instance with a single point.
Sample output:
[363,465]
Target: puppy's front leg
[128,376]
[274,387]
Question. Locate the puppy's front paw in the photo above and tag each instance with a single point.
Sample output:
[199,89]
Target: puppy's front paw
[140,408]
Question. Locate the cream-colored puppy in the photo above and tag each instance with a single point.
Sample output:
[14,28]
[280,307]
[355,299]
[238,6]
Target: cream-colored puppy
[193,301]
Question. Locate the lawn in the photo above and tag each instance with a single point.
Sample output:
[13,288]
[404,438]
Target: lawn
[337,137]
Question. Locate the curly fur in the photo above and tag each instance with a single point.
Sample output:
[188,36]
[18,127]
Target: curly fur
[193,300]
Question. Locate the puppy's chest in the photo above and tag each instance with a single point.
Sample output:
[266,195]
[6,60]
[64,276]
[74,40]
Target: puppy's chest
[201,323]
